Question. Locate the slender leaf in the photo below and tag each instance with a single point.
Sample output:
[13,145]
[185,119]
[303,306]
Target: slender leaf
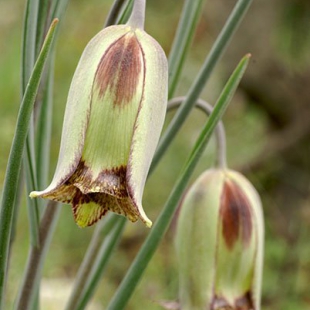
[183,38]
[28,60]
[88,270]
[43,21]
[114,13]
[131,279]
[29,41]
[27,297]
[216,52]
[29,290]
[59,8]
[44,128]
[124,16]
[105,252]
[15,158]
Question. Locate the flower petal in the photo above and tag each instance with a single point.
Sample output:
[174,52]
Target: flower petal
[257,209]
[115,104]
[150,118]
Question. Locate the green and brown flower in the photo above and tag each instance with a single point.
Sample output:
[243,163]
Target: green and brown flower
[219,243]
[115,112]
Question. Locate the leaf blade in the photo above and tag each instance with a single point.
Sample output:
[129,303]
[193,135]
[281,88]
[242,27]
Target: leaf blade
[14,164]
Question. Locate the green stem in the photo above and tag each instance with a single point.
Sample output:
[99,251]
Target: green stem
[137,17]
[207,108]
[15,158]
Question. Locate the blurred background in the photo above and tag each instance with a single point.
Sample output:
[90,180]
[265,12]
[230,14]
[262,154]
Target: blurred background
[268,136]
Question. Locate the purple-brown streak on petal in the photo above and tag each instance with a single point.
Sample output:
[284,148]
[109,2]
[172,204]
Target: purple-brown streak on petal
[119,69]
[235,212]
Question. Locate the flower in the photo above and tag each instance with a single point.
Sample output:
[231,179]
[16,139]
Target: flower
[114,115]
[219,243]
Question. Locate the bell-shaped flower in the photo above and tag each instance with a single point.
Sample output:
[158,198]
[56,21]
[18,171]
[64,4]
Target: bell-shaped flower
[114,116]
[219,242]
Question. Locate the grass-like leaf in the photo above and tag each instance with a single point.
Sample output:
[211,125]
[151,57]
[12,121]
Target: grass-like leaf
[28,60]
[216,52]
[96,257]
[183,38]
[105,251]
[134,274]
[28,296]
[124,16]
[15,158]
[115,12]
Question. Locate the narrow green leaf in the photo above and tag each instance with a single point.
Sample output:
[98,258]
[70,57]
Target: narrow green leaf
[59,8]
[44,127]
[15,158]
[216,52]
[29,292]
[182,41]
[48,10]
[115,12]
[42,24]
[28,60]
[95,257]
[136,270]
[124,16]
[31,182]
[105,252]
[29,41]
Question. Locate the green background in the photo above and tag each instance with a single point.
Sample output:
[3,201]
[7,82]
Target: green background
[267,128]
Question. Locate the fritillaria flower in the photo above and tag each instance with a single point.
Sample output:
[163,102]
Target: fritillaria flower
[114,116]
[219,243]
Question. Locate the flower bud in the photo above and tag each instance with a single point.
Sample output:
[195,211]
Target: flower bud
[114,115]
[219,243]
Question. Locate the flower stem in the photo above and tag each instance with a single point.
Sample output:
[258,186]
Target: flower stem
[137,16]
[219,129]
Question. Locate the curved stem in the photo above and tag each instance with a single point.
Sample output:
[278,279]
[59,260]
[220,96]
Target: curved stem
[219,129]
[137,16]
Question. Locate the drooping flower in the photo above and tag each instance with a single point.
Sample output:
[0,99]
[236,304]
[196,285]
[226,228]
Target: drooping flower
[114,115]
[219,243]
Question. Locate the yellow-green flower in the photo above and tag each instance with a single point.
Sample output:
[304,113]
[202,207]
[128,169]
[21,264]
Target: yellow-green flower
[114,115]
[219,243]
